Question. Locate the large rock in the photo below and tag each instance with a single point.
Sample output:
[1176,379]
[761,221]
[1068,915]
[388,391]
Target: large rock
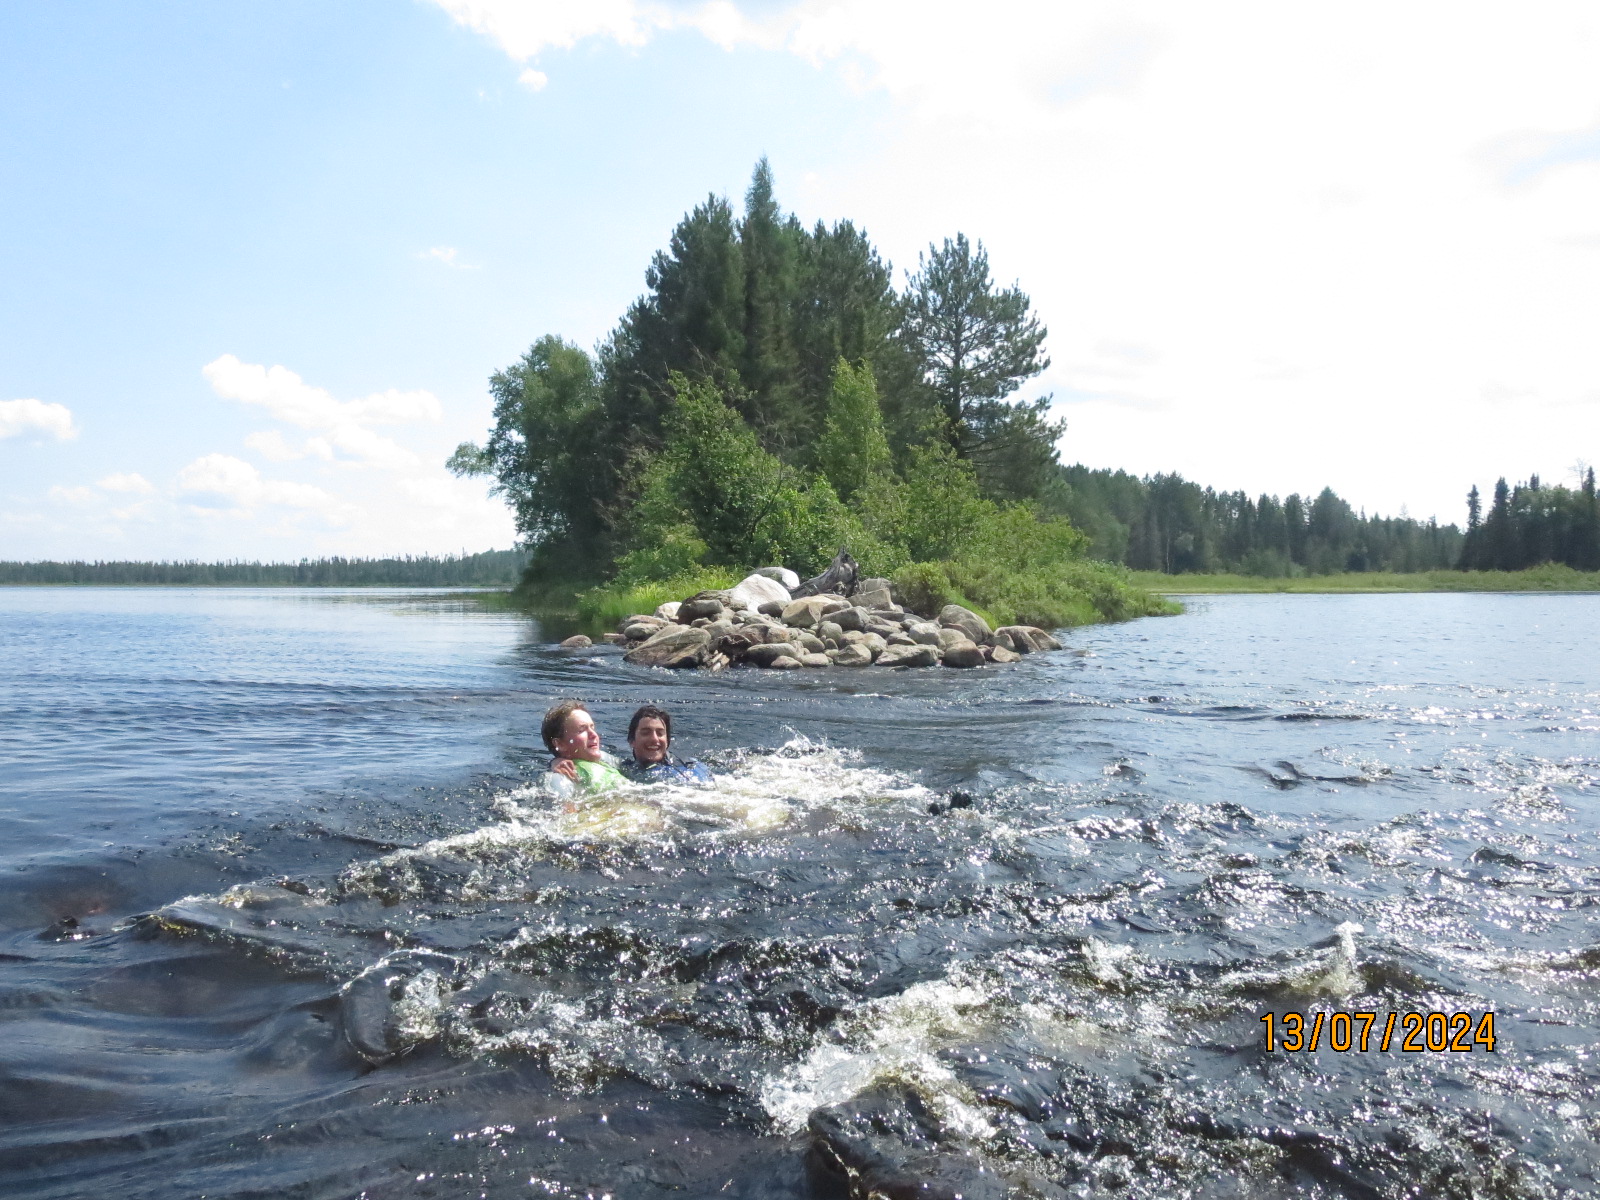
[950,637]
[768,653]
[829,629]
[1028,639]
[963,654]
[815,660]
[736,643]
[673,646]
[808,610]
[640,630]
[852,655]
[1000,654]
[785,663]
[884,629]
[874,600]
[755,590]
[783,575]
[811,643]
[925,632]
[654,622]
[953,616]
[702,605]
[914,655]
[850,618]
[771,608]
[669,610]
[576,642]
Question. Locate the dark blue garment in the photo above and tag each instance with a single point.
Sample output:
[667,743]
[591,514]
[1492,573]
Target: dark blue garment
[670,770]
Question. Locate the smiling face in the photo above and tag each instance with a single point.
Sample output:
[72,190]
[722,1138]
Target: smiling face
[579,738]
[649,740]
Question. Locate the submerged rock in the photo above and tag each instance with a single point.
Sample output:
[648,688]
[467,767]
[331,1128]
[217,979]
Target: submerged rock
[674,646]
[963,654]
[853,654]
[576,642]
[1025,639]
[913,655]
[395,1004]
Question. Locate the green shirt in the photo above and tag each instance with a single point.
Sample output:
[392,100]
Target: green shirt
[597,776]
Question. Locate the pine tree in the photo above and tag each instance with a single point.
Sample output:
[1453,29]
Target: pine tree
[769,249]
[977,345]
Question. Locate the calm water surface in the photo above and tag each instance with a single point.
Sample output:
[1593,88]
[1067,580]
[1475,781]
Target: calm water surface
[280,914]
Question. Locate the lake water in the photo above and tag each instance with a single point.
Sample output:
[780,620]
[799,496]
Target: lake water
[281,916]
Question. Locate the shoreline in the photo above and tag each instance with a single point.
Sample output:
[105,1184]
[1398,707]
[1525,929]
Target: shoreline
[1544,579]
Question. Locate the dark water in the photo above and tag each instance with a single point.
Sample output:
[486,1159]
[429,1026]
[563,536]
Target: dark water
[279,915]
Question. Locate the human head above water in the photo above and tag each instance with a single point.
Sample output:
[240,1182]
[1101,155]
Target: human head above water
[650,733]
[568,731]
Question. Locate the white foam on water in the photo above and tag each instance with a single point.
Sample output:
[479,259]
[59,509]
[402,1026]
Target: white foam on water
[1332,972]
[578,1047]
[893,1040]
[764,793]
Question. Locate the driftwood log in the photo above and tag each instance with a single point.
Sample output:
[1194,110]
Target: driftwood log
[839,578]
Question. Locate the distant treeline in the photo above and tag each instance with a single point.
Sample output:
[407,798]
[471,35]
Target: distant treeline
[1166,523]
[492,568]
[1533,523]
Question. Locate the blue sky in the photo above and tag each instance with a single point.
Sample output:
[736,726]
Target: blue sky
[257,261]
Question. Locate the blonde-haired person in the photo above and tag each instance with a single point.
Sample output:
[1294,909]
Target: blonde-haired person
[579,764]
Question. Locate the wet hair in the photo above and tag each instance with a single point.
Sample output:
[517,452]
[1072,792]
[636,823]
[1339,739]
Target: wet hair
[649,712]
[555,720]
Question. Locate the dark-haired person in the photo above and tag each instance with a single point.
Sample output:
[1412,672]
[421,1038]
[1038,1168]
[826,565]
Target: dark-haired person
[579,764]
[652,760]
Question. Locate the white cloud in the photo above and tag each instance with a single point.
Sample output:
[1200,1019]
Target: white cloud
[1327,231]
[447,254]
[222,481]
[525,27]
[274,447]
[533,80]
[341,425]
[18,417]
[76,496]
[132,482]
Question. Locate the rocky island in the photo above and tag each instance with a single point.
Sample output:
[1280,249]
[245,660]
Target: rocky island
[771,619]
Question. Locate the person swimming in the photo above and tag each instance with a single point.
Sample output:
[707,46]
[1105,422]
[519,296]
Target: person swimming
[579,763]
[652,760]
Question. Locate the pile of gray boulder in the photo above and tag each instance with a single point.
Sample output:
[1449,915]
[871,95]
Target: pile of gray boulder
[760,623]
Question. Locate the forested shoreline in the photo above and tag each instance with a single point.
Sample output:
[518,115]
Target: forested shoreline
[773,396]
[490,568]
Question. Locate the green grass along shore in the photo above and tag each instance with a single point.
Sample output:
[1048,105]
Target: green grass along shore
[1075,593]
[1551,577]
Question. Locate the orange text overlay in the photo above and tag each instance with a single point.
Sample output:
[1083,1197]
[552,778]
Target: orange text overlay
[1410,1033]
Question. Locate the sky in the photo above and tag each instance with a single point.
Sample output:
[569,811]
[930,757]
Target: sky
[258,260]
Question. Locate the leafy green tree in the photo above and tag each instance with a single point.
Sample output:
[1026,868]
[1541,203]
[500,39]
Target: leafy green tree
[548,454]
[853,450]
[943,506]
[713,491]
